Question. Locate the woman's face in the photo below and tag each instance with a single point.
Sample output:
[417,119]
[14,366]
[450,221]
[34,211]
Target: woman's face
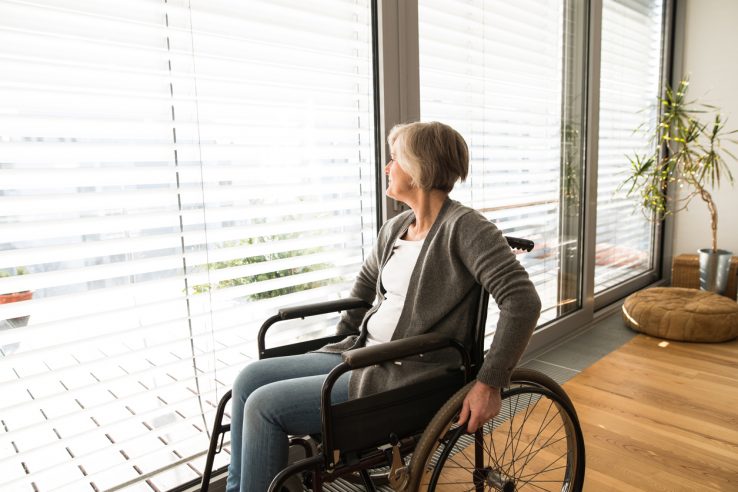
[399,183]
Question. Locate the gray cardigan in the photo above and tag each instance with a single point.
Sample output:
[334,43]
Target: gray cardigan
[462,250]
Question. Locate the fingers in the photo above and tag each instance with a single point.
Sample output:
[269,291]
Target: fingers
[478,407]
[476,419]
[473,423]
[470,414]
[465,411]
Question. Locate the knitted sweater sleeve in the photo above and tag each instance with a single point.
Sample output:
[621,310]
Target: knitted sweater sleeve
[484,251]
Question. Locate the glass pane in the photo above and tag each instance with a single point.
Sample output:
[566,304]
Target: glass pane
[508,76]
[170,173]
[629,84]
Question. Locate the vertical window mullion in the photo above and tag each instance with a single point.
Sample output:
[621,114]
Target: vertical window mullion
[399,79]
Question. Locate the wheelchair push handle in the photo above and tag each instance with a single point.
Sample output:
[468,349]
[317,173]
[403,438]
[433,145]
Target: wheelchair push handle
[520,243]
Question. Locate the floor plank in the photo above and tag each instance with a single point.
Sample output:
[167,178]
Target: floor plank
[660,416]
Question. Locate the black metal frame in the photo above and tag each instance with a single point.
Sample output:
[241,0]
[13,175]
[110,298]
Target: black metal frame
[326,464]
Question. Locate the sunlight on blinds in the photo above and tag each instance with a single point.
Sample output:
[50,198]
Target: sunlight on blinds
[493,70]
[171,172]
[630,79]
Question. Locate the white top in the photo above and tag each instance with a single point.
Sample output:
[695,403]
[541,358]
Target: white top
[395,280]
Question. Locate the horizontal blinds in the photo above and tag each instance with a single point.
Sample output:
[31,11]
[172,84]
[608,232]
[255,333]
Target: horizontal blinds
[172,172]
[493,70]
[630,78]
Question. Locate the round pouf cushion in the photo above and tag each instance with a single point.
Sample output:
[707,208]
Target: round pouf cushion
[682,314]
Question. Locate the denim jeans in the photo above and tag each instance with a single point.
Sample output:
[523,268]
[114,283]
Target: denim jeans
[274,398]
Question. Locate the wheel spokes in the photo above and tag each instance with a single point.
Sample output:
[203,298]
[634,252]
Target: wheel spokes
[525,448]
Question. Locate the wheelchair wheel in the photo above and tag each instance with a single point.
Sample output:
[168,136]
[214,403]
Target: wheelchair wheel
[535,444]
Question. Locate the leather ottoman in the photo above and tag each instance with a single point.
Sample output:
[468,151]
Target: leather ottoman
[682,314]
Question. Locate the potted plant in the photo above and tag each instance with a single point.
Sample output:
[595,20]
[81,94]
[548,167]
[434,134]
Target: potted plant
[6,298]
[688,153]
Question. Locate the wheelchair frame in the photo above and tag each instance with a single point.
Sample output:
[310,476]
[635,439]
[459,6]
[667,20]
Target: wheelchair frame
[331,462]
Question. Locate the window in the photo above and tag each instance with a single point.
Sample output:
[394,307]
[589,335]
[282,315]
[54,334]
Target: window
[171,171]
[496,71]
[629,84]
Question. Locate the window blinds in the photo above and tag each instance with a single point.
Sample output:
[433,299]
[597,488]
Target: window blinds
[171,172]
[629,85]
[493,70]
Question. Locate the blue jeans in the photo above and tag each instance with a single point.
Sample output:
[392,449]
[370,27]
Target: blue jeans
[274,398]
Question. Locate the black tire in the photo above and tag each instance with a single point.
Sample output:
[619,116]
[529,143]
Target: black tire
[535,443]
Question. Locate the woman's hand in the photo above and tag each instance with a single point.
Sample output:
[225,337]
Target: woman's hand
[481,404]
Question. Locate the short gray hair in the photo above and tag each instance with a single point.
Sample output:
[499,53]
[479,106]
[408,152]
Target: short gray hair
[433,154]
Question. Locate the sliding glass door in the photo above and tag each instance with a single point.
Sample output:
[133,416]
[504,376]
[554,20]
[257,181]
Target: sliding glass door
[509,76]
[512,77]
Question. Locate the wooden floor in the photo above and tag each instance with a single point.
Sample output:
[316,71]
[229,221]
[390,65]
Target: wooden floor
[660,418]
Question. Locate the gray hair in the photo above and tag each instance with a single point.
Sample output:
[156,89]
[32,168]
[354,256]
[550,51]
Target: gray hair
[434,155]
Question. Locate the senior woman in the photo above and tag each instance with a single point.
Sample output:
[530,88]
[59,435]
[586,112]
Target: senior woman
[421,277]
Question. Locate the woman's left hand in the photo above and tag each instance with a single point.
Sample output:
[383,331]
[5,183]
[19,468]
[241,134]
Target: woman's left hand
[481,404]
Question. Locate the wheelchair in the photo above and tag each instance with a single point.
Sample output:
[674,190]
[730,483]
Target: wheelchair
[410,434]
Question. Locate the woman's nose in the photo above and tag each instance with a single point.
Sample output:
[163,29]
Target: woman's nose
[387,167]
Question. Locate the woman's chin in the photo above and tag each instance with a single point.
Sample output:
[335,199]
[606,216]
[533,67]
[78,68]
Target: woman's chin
[397,197]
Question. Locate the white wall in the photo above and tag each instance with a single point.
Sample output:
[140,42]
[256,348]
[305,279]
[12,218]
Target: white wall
[711,60]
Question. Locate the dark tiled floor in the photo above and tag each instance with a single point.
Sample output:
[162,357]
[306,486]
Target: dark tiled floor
[573,356]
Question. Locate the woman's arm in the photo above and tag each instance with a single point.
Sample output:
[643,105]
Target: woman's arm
[484,251]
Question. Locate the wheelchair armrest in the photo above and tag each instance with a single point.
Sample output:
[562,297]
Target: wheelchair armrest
[303,312]
[398,349]
[322,308]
